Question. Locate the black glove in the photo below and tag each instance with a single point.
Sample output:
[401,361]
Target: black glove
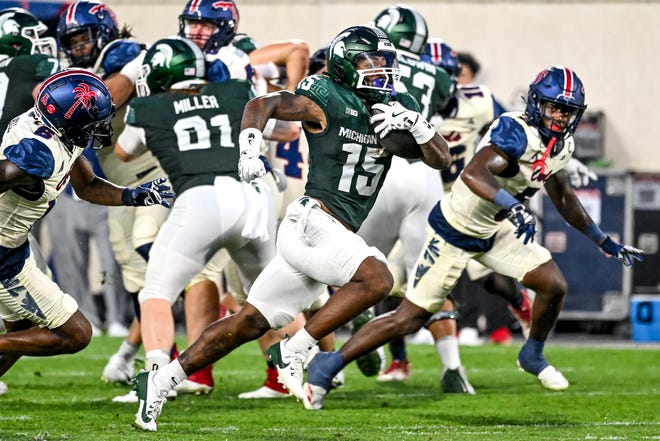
[524,222]
[150,193]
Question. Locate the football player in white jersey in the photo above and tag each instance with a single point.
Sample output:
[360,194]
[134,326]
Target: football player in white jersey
[90,37]
[42,152]
[483,218]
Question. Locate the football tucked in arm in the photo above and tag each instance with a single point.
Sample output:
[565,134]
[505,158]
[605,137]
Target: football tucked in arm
[399,142]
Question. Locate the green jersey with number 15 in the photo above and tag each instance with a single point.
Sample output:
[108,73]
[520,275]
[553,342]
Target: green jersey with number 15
[346,165]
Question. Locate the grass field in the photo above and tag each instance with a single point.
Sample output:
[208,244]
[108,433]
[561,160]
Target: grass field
[614,395]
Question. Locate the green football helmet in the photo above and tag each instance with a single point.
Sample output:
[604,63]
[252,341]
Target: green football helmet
[364,59]
[404,26]
[21,34]
[171,63]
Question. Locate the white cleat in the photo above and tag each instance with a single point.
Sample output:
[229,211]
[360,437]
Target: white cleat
[314,396]
[289,366]
[552,379]
[193,388]
[119,370]
[263,392]
[3,388]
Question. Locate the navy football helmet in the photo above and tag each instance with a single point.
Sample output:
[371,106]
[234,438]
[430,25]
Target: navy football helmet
[404,26]
[21,33]
[561,86]
[77,106]
[172,62]
[364,59]
[90,18]
[222,14]
[318,60]
[439,53]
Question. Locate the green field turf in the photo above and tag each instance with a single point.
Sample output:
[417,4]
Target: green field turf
[614,395]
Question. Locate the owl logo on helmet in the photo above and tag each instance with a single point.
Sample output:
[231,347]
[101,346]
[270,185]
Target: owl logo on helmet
[78,107]
[172,62]
[364,59]
[562,87]
[404,26]
[91,21]
[22,34]
[222,14]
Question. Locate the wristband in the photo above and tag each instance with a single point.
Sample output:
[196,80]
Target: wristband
[126,197]
[249,141]
[595,234]
[504,199]
[422,131]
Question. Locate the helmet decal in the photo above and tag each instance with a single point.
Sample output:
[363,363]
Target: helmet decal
[163,56]
[83,96]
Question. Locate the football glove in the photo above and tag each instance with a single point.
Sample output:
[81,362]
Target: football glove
[579,174]
[250,167]
[150,193]
[524,222]
[624,253]
[396,117]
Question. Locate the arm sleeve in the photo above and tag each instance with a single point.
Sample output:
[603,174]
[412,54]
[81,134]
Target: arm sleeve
[132,140]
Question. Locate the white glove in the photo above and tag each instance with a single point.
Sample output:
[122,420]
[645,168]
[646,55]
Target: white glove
[250,167]
[579,174]
[397,117]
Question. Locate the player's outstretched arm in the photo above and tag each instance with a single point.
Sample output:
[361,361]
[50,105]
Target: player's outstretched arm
[94,189]
[569,206]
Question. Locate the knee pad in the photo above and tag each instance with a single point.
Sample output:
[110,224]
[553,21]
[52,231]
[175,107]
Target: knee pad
[442,315]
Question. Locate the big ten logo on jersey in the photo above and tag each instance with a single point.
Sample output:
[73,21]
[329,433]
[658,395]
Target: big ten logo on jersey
[293,159]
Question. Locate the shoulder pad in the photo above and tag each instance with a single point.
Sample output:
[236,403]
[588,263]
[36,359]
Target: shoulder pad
[510,136]
[32,156]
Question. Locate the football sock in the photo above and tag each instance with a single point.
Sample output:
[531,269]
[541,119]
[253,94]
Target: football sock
[447,348]
[301,342]
[169,376]
[156,359]
[127,349]
[531,356]
[323,368]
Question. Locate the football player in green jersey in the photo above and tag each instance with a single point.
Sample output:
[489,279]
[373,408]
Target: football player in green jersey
[397,215]
[317,244]
[26,59]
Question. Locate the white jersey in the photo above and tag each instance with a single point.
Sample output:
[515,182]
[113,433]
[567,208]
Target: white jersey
[463,126]
[479,218]
[34,148]
[237,62]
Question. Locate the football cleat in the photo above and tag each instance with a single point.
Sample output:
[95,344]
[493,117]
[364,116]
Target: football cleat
[119,370]
[289,366]
[372,363]
[454,381]
[270,389]
[552,379]
[3,388]
[338,380]
[314,396]
[501,336]
[192,387]
[151,401]
[549,377]
[198,383]
[397,371]
[132,397]
[523,313]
